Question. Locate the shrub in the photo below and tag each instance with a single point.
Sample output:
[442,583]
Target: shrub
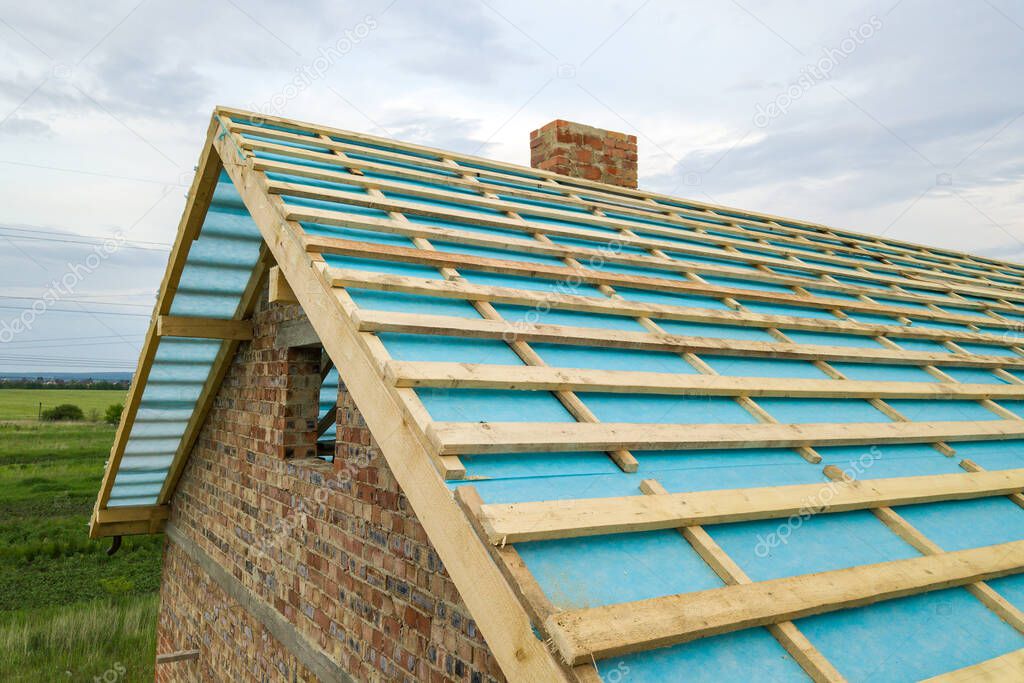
[113,414]
[63,412]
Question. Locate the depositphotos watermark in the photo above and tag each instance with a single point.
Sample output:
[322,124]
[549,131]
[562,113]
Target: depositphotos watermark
[819,502]
[812,74]
[62,287]
[308,74]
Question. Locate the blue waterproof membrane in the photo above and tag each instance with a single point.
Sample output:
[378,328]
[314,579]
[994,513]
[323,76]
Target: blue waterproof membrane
[897,640]
[215,275]
[328,399]
[912,638]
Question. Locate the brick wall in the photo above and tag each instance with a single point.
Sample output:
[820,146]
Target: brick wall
[333,548]
[580,151]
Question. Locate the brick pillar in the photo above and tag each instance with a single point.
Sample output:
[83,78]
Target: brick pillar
[580,151]
[302,403]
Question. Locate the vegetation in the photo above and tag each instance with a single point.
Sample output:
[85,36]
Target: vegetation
[67,611]
[24,404]
[50,383]
[113,414]
[65,412]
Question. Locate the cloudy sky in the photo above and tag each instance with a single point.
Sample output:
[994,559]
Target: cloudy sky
[901,118]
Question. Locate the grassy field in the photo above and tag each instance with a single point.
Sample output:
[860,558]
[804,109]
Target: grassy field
[67,611]
[23,404]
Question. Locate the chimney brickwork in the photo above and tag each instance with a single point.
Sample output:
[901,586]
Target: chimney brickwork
[579,151]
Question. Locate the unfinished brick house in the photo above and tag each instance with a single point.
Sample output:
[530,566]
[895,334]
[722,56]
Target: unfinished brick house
[405,414]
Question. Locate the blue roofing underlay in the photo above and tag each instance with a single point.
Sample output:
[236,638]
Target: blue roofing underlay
[905,639]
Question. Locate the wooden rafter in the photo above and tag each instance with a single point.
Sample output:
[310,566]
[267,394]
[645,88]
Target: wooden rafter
[203,328]
[614,630]
[495,607]
[620,307]
[760,222]
[520,522]
[454,438]
[516,378]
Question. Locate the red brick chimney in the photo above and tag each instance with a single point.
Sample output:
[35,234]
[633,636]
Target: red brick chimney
[580,151]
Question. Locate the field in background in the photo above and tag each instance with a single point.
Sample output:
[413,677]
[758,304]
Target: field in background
[23,404]
[67,611]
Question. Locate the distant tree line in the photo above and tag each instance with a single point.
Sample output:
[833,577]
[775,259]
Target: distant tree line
[51,383]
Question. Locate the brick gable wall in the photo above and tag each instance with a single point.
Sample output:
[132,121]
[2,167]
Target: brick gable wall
[334,549]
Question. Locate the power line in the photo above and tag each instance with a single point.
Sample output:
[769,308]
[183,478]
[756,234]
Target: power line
[126,244]
[92,173]
[66,310]
[78,301]
[74,339]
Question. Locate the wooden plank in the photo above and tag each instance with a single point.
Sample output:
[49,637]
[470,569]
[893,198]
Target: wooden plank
[607,250]
[414,323]
[280,291]
[517,378]
[204,183]
[135,527]
[221,364]
[672,225]
[614,194]
[594,276]
[463,290]
[132,513]
[179,656]
[621,629]
[639,208]
[495,608]
[988,596]
[741,222]
[1008,668]
[533,521]
[203,328]
[461,438]
[810,659]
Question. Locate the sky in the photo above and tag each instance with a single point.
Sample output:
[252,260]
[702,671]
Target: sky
[902,118]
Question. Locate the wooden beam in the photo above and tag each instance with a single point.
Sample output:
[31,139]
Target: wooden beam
[133,513]
[134,527]
[789,636]
[597,276]
[621,629]
[734,222]
[325,422]
[200,194]
[431,158]
[1004,669]
[496,610]
[280,291]
[204,328]
[179,656]
[534,521]
[518,378]
[438,325]
[461,438]
[542,192]
[451,289]
[221,364]
[781,248]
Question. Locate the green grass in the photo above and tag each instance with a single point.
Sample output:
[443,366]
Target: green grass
[64,605]
[23,404]
[80,642]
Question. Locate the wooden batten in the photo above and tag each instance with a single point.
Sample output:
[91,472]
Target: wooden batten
[280,291]
[542,520]
[459,438]
[614,630]
[475,376]
[204,328]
